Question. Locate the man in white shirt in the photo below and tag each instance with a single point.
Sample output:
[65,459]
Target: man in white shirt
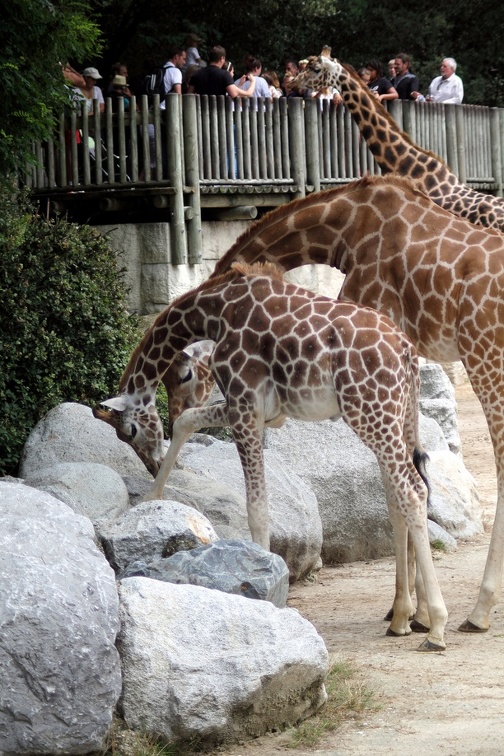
[173,75]
[448,87]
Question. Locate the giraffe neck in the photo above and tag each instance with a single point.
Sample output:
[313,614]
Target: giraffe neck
[310,230]
[395,152]
[191,317]
[391,147]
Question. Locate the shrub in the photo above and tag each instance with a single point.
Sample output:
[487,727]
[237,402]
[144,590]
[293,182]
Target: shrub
[66,334]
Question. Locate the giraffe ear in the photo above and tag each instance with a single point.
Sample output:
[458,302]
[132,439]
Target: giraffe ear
[200,350]
[118,403]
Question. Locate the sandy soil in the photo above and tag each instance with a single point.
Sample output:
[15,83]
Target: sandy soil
[447,703]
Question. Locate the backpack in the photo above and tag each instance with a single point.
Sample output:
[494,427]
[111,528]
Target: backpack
[153,84]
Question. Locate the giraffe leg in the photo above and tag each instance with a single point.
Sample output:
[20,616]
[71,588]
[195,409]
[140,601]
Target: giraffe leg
[413,577]
[402,608]
[190,421]
[247,434]
[487,387]
[406,498]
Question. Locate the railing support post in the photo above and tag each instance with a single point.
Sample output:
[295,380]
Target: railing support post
[312,108]
[190,133]
[173,143]
[296,145]
[496,155]
[461,156]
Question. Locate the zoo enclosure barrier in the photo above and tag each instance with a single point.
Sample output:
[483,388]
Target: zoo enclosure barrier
[225,158]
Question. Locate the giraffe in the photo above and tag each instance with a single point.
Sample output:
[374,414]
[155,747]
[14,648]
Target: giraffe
[393,149]
[281,351]
[437,276]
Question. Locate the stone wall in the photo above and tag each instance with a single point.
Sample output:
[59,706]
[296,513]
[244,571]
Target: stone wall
[143,249]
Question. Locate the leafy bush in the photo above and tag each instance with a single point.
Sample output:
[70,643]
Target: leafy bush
[66,334]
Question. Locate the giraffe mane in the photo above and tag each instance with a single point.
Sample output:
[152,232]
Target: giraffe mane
[237,270]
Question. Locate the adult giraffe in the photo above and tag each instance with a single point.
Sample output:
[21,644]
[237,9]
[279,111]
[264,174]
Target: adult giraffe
[282,351]
[393,149]
[437,276]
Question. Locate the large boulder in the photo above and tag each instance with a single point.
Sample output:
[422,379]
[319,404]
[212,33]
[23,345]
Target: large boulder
[59,668]
[153,530]
[93,490]
[437,400]
[201,664]
[239,567]
[70,433]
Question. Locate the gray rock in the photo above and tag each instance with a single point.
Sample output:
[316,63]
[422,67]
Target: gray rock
[438,535]
[239,567]
[205,664]
[437,400]
[454,501]
[70,433]
[154,529]
[59,667]
[90,489]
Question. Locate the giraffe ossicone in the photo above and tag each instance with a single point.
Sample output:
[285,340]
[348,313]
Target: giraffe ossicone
[394,150]
[281,351]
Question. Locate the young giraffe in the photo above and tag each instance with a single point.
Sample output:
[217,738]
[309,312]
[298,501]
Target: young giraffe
[282,351]
[395,152]
[438,277]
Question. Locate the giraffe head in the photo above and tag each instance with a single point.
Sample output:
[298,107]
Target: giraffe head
[138,424]
[320,72]
[189,382]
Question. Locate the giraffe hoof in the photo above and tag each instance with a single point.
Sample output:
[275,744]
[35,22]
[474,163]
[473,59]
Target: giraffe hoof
[432,646]
[418,627]
[470,627]
[395,634]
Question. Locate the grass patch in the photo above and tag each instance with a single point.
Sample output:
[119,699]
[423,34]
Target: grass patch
[438,545]
[347,698]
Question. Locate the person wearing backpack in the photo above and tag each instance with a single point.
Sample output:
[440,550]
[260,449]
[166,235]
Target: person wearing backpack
[172,79]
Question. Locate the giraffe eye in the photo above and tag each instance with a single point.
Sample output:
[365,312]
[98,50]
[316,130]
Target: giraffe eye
[133,431]
[187,376]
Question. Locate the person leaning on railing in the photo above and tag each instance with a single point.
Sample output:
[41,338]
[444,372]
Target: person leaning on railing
[214,80]
[447,88]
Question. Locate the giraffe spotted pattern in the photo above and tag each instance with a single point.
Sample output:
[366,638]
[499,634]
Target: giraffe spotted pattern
[281,351]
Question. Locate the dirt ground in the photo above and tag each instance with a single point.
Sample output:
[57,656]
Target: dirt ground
[447,703]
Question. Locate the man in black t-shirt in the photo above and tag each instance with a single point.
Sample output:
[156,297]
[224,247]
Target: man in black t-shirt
[404,81]
[213,80]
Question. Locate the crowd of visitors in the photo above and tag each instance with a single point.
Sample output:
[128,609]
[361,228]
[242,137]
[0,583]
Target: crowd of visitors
[186,71]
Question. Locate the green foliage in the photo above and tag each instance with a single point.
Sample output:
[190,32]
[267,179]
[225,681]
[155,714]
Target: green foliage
[66,335]
[35,38]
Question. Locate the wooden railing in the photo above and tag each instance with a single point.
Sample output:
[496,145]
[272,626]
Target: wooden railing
[226,159]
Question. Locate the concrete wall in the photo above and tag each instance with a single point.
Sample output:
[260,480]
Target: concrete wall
[143,250]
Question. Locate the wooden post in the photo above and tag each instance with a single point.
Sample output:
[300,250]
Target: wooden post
[451,137]
[173,143]
[296,145]
[311,114]
[461,156]
[496,150]
[190,129]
